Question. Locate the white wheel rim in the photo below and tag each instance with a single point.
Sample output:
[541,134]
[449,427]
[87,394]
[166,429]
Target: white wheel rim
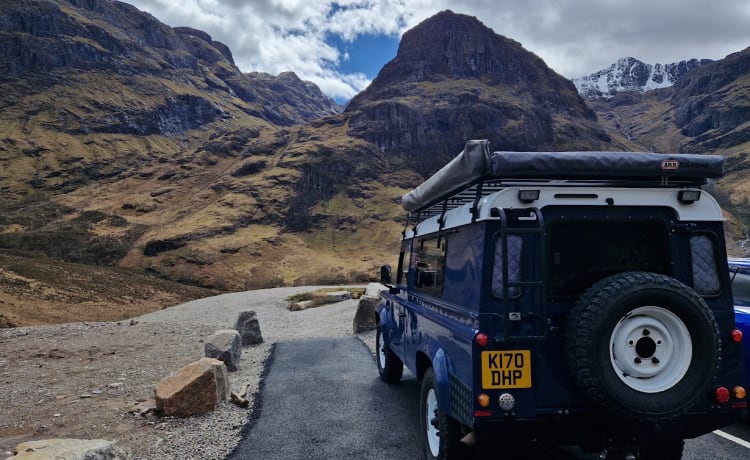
[650,349]
[381,351]
[433,439]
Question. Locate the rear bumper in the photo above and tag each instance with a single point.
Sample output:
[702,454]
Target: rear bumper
[596,429]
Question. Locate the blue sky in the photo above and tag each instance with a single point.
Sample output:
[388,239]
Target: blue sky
[367,54]
[340,45]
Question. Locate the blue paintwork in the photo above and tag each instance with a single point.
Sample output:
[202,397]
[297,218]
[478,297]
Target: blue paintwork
[425,330]
[742,309]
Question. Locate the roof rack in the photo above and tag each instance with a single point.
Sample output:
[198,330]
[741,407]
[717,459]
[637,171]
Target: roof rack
[476,168]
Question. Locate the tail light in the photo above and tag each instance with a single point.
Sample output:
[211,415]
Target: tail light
[737,336]
[481,339]
[721,395]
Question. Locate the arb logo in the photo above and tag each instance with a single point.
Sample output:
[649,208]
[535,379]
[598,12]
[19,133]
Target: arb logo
[670,164]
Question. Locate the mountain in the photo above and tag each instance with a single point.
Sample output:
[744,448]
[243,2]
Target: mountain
[707,110]
[452,79]
[630,74]
[91,88]
[129,143]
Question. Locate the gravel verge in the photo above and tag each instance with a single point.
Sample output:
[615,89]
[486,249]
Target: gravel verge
[90,380]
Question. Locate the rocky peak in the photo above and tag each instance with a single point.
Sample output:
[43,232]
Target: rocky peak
[711,103]
[188,34]
[454,79]
[456,46]
[49,42]
[631,74]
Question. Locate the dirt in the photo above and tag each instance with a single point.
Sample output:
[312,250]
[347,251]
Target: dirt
[36,290]
[73,365]
[89,380]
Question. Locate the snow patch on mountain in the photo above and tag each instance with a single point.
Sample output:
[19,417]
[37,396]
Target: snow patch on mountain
[630,74]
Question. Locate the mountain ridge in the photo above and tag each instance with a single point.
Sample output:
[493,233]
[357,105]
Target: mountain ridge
[208,176]
[631,74]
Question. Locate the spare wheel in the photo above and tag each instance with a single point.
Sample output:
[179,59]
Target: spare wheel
[643,345]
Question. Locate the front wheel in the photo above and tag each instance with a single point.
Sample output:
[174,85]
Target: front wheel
[390,367]
[440,432]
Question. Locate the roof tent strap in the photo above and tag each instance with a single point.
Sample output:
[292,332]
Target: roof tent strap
[406,225]
[471,164]
[475,206]
[441,219]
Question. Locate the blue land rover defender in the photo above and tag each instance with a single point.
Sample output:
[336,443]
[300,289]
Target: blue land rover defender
[564,298]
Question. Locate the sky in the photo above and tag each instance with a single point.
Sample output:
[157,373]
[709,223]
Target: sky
[341,45]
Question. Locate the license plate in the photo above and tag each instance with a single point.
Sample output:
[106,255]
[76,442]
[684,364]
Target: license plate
[506,369]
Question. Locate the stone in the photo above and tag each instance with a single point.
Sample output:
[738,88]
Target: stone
[302,305]
[249,328]
[69,449]
[195,389]
[226,346]
[364,318]
[338,296]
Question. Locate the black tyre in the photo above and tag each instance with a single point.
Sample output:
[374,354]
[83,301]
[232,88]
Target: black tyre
[390,366]
[664,449]
[643,345]
[441,433]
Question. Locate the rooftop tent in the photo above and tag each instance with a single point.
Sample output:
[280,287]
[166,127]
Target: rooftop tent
[467,167]
[475,163]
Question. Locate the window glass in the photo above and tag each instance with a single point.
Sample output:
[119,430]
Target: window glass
[515,247]
[429,265]
[582,253]
[705,275]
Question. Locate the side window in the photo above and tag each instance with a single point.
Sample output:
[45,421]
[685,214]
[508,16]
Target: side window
[703,260]
[429,265]
[515,247]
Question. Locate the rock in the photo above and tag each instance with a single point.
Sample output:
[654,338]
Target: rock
[195,389]
[302,305]
[226,346]
[69,449]
[338,296]
[364,319]
[5,322]
[249,328]
[241,401]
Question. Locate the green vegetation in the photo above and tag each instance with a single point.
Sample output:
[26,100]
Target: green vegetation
[319,297]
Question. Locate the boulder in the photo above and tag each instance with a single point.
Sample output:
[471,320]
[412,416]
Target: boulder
[249,328]
[302,305]
[195,389]
[226,346]
[364,318]
[69,449]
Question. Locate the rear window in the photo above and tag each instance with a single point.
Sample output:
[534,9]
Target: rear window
[582,253]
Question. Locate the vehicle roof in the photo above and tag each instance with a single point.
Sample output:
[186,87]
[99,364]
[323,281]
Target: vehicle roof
[475,165]
[464,212]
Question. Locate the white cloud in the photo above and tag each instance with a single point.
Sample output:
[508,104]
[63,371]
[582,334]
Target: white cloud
[573,37]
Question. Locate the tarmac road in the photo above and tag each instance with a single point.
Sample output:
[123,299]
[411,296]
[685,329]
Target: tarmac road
[322,399]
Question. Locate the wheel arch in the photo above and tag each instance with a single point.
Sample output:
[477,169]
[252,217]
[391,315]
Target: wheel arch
[440,365]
